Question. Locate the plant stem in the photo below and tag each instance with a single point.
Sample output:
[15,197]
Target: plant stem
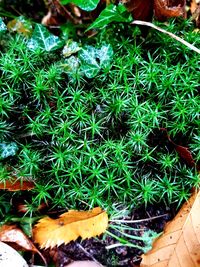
[141,220]
[149,24]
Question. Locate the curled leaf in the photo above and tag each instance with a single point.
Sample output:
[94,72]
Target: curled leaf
[69,226]
[169,8]
[14,236]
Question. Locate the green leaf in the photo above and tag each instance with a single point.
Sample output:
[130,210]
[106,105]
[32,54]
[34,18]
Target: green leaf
[8,149]
[111,13]
[86,5]
[3,27]
[70,48]
[92,59]
[44,40]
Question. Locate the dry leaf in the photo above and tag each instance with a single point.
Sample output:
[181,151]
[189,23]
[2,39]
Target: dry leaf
[16,185]
[179,245]
[195,10]
[69,226]
[140,9]
[185,154]
[17,239]
[164,9]
[193,6]
[12,234]
[183,151]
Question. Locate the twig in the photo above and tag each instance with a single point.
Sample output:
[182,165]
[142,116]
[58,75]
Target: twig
[88,254]
[149,24]
[141,220]
[116,245]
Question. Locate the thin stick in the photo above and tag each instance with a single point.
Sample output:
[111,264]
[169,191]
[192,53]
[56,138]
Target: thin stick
[88,254]
[137,221]
[149,24]
[122,245]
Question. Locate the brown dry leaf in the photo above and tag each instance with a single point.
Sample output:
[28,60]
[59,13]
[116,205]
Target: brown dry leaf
[140,9]
[179,245]
[195,10]
[69,226]
[16,185]
[185,154]
[12,234]
[193,6]
[164,9]
[183,151]
[17,239]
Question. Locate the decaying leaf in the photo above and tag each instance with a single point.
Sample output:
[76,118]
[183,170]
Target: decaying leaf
[185,154]
[183,151]
[16,185]
[20,25]
[12,234]
[195,10]
[140,9]
[164,9]
[179,245]
[69,226]
[17,239]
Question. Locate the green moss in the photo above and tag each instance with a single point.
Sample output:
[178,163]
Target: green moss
[97,141]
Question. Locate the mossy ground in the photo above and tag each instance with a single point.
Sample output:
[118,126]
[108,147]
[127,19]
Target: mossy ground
[96,142]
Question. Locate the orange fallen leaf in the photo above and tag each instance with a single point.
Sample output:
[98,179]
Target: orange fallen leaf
[69,226]
[16,185]
[17,239]
[179,245]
